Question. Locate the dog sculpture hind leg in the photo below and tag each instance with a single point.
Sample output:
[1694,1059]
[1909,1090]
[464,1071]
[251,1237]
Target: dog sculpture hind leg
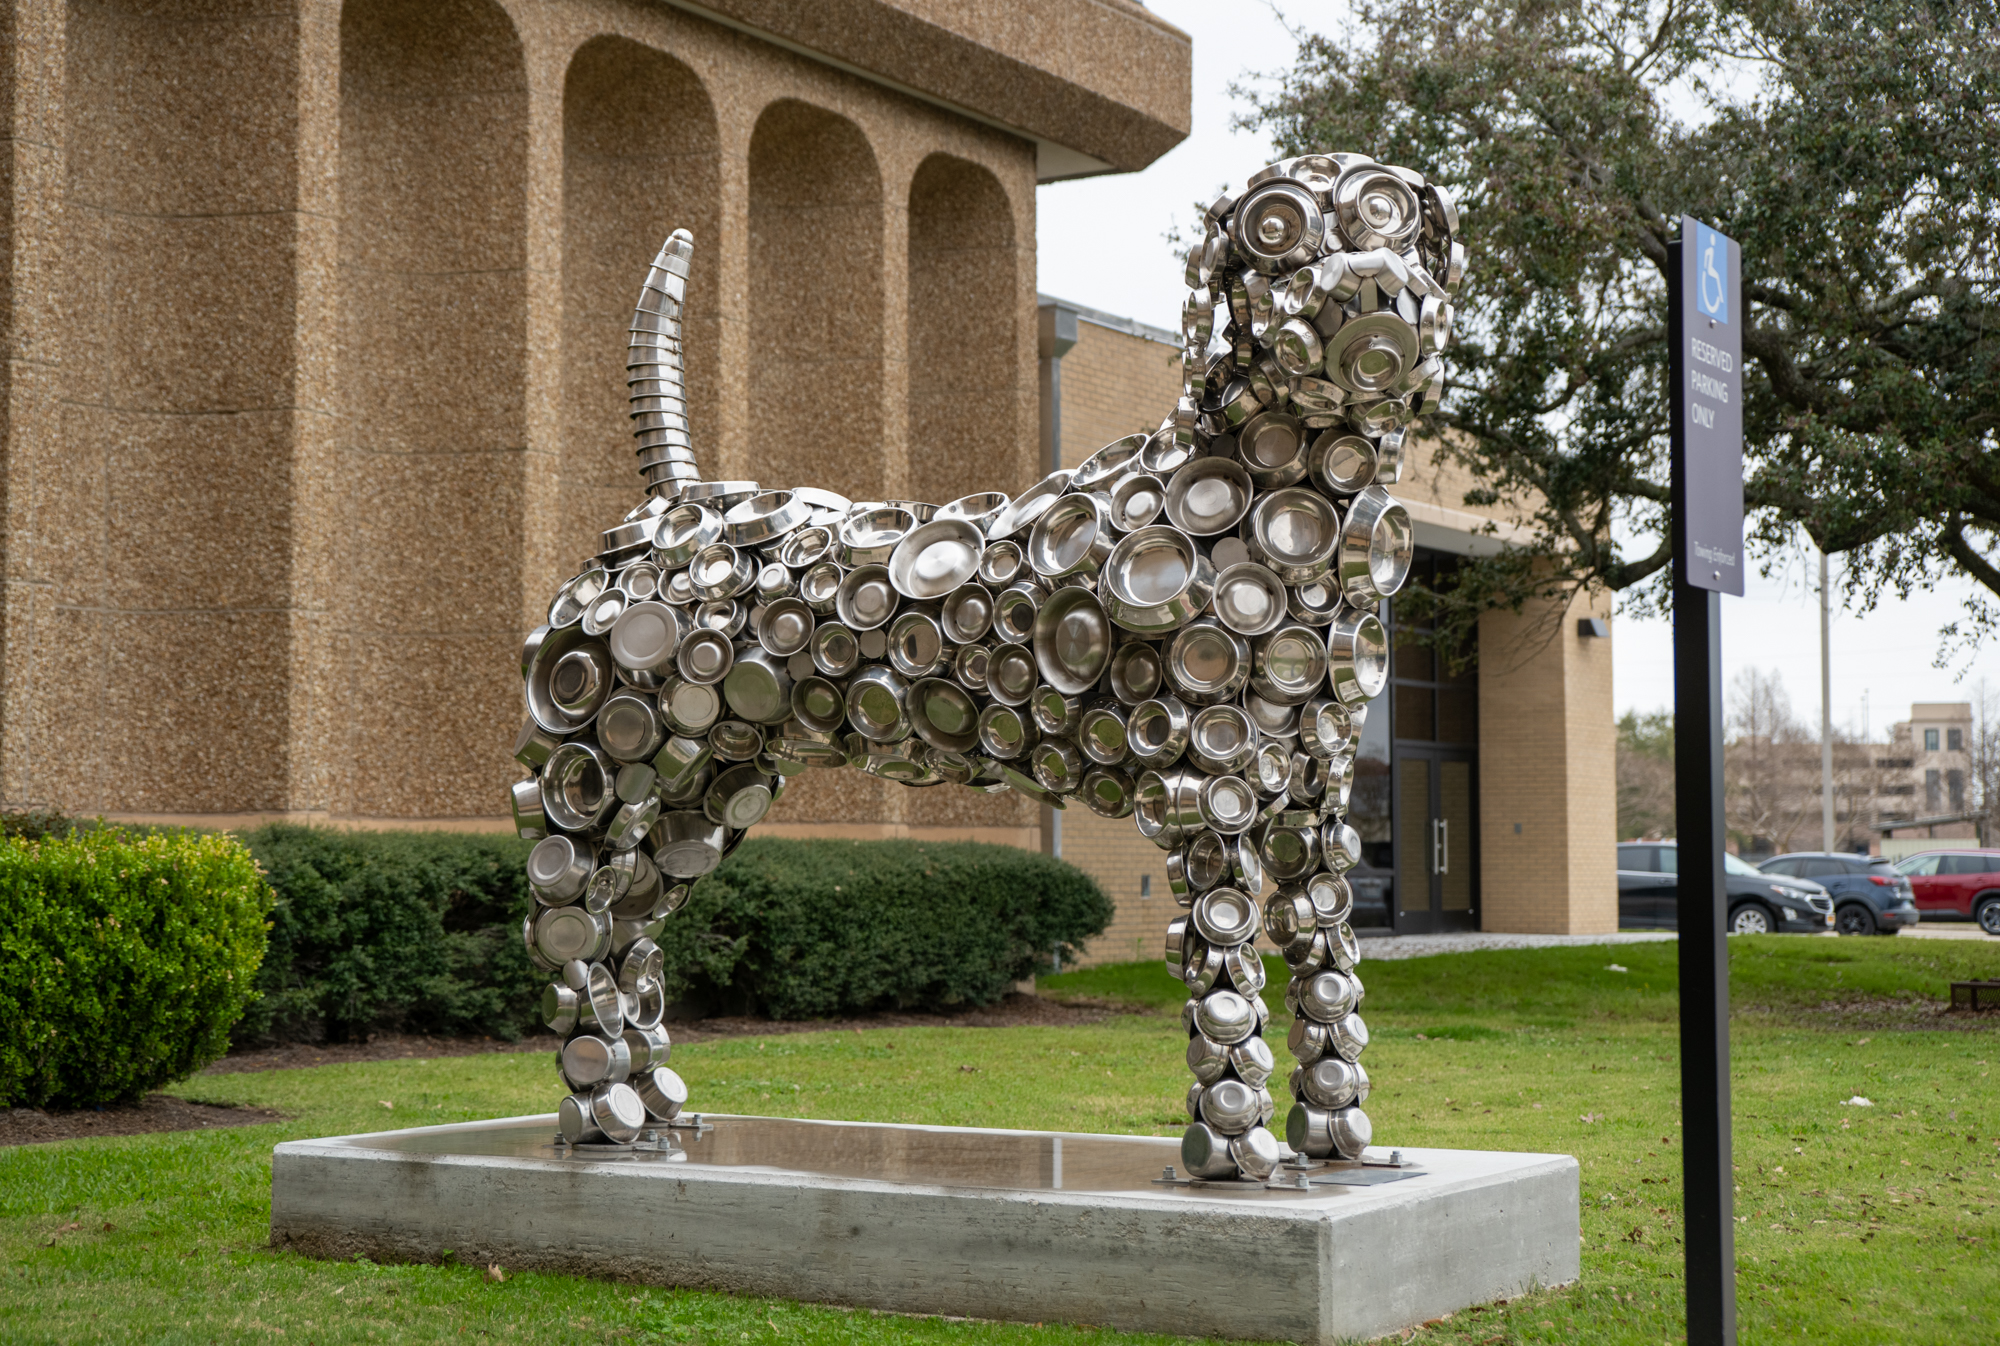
[1183,630]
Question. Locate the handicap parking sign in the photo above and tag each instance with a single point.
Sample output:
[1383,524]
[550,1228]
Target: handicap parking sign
[1711,269]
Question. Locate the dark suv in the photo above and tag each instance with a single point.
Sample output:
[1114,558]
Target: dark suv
[1957,884]
[1649,890]
[1870,896]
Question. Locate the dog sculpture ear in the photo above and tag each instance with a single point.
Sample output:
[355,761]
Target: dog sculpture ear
[1182,630]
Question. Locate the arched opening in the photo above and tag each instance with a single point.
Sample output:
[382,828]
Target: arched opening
[966,425]
[815,303]
[426,587]
[640,159]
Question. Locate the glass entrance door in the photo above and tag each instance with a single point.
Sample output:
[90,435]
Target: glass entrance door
[1437,857]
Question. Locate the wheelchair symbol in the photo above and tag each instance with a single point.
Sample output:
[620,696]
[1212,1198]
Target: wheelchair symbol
[1713,298]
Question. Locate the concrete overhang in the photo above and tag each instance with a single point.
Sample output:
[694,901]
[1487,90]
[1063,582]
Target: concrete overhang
[1099,86]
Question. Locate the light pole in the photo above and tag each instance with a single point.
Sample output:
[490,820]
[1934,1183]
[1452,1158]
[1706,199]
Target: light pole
[1825,714]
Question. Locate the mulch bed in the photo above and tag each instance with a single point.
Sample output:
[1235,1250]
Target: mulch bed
[163,1112]
[155,1112]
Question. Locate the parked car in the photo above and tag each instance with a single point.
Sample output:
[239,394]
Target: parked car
[1962,885]
[1759,904]
[1870,896]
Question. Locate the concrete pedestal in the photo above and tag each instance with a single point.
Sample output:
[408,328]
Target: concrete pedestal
[1022,1225]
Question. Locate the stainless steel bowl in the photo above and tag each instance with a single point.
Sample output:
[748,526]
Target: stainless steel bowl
[1107,792]
[1289,664]
[979,509]
[877,704]
[1005,731]
[1290,853]
[967,614]
[1056,712]
[1158,730]
[1168,450]
[1326,729]
[1058,765]
[1208,496]
[738,798]
[1206,662]
[589,1060]
[1137,499]
[1101,734]
[1230,1106]
[866,600]
[1197,865]
[1348,1037]
[566,933]
[662,1093]
[1358,657]
[818,704]
[644,638]
[1225,916]
[1011,675]
[577,786]
[804,547]
[943,714]
[1135,673]
[1249,598]
[1341,846]
[1295,532]
[1165,808]
[568,677]
[630,727]
[1072,636]
[917,647]
[1315,602]
[1309,1131]
[1289,919]
[835,651]
[705,656]
[1377,546]
[1207,1061]
[1221,739]
[936,558]
[786,628]
[970,665]
[1002,564]
[559,867]
[1108,463]
[1021,512]
[1256,1153]
[1204,1153]
[1351,1131]
[686,845]
[765,518]
[649,1047]
[1343,463]
[1273,720]
[1014,610]
[720,571]
[574,598]
[1327,997]
[559,1008]
[684,531]
[1227,804]
[1252,1058]
[819,586]
[1332,898]
[1272,448]
[602,614]
[1072,537]
[869,537]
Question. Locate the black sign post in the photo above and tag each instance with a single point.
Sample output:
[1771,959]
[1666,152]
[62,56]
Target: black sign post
[1705,323]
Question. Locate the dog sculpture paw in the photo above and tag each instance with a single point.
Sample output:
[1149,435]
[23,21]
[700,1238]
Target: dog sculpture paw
[1183,629]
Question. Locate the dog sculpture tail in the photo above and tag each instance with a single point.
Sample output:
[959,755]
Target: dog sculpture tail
[654,371]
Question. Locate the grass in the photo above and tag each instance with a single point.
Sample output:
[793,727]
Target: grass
[1859,1225]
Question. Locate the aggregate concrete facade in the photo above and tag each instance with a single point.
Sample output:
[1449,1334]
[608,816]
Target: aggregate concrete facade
[312,313]
[1038,1227]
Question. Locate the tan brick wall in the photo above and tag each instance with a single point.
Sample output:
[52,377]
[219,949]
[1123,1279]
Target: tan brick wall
[1547,779]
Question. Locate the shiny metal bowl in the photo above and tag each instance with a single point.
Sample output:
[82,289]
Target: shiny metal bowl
[705,656]
[917,647]
[1206,662]
[1002,564]
[1137,499]
[1249,598]
[1108,463]
[1158,730]
[1222,739]
[1295,532]
[786,627]
[877,704]
[1072,636]
[1005,731]
[1156,580]
[978,509]
[1377,546]
[684,531]
[1107,792]
[943,714]
[1135,672]
[1011,675]
[967,614]
[1228,804]
[870,536]
[1272,448]
[1101,734]
[1208,496]
[1072,537]
[1343,463]
[765,518]
[1014,610]
[834,649]
[568,678]
[721,571]
[1225,916]
[936,558]
[1289,664]
[867,599]
[1020,513]
[1357,657]
[805,547]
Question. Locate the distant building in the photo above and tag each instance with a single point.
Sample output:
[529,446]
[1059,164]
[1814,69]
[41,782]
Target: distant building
[1926,773]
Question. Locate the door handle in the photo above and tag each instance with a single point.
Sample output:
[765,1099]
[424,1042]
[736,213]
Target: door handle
[1444,845]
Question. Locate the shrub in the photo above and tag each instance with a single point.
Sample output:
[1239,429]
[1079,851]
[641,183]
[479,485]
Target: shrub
[123,960]
[807,929]
[393,931]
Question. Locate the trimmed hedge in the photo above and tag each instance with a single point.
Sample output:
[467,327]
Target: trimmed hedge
[414,932]
[124,959]
[810,929]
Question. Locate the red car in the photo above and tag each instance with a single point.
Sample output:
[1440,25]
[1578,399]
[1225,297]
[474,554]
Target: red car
[1957,883]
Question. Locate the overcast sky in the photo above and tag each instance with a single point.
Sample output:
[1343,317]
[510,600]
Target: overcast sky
[1100,242]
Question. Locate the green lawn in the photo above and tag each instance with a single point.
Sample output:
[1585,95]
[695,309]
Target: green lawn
[1861,1225]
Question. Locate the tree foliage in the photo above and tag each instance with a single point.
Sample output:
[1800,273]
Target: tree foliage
[1861,180]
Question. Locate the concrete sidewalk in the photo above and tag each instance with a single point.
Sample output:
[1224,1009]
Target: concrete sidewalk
[1467,941]
[1944,930]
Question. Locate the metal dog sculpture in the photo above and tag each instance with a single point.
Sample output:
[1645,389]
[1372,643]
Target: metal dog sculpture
[1182,629]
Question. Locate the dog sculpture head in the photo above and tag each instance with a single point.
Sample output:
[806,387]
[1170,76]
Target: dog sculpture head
[1182,629]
